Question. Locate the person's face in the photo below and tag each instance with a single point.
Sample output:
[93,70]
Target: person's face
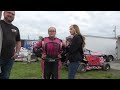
[9,16]
[72,30]
[52,32]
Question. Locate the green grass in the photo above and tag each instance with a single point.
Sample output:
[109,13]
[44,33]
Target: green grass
[21,70]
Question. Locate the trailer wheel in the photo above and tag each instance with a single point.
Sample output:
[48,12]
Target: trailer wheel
[106,67]
[82,67]
[110,58]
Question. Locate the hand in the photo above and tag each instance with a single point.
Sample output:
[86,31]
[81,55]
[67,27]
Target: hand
[15,55]
[43,56]
[68,62]
[67,43]
[59,56]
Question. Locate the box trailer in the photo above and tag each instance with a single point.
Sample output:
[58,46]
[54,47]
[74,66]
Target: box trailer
[105,45]
[118,47]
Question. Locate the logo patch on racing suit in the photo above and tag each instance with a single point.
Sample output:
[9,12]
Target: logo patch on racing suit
[51,48]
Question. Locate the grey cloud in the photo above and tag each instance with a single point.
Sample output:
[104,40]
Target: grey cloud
[35,23]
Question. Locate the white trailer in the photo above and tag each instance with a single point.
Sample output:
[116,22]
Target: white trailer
[118,47]
[105,45]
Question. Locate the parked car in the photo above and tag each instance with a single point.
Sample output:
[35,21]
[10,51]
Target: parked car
[22,55]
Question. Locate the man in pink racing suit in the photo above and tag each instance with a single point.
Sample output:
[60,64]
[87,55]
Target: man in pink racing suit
[51,55]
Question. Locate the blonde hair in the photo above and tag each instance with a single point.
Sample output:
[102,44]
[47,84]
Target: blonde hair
[77,29]
[77,32]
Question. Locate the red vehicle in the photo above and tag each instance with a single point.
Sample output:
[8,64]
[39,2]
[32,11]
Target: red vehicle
[93,60]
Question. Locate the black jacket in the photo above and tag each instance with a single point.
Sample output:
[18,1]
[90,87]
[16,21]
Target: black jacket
[75,50]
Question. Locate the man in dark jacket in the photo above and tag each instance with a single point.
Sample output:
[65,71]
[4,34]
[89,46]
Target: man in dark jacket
[11,44]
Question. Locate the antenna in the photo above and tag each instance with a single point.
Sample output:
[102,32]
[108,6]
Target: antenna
[28,37]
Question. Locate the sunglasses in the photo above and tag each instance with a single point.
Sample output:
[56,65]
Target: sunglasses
[51,31]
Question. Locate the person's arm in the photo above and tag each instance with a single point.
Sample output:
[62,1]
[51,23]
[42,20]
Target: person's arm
[37,45]
[17,49]
[18,46]
[75,45]
[18,41]
[61,49]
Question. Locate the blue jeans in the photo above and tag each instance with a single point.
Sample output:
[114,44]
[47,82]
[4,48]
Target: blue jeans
[72,69]
[5,66]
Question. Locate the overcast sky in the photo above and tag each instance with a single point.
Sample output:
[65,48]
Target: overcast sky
[97,23]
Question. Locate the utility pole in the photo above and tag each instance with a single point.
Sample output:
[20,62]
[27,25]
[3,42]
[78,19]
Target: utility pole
[117,46]
[29,50]
[115,32]
[28,37]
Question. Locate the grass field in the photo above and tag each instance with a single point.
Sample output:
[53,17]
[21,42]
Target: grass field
[21,70]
